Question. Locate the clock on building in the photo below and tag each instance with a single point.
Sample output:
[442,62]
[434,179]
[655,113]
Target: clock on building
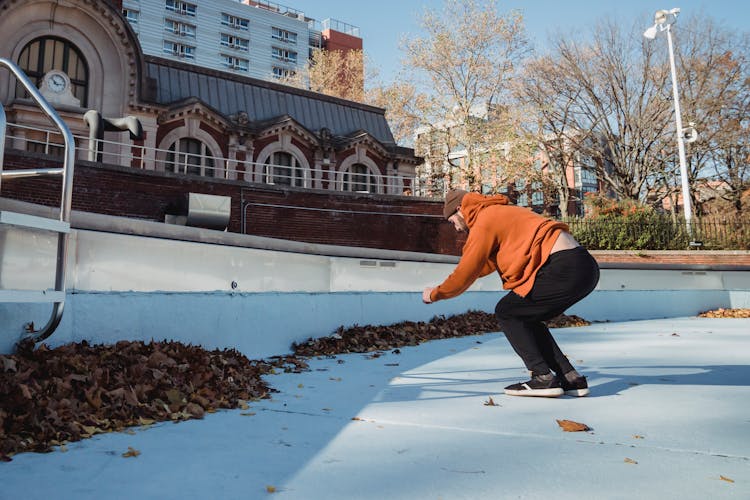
[57,89]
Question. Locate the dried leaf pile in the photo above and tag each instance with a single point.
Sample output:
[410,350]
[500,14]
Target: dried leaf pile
[726,313]
[376,338]
[52,396]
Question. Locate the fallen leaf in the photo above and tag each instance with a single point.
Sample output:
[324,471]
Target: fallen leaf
[9,364]
[132,452]
[571,426]
[248,414]
[271,489]
[724,478]
[490,402]
[300,386]
[630,461]
[638,436]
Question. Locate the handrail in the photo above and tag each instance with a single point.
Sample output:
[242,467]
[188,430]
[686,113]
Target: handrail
[66,199]
[151,158]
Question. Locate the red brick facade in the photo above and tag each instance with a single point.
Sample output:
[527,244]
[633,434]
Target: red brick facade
[314,216]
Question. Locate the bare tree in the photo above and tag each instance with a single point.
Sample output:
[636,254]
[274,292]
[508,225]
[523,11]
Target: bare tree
[715,86]
[552,100]
[455,92]
[332,72]
[601,103]
[609,102]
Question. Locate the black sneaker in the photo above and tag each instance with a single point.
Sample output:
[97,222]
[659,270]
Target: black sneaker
[536,387]
[578,387]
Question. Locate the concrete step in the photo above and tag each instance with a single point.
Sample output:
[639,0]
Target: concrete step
[33,221]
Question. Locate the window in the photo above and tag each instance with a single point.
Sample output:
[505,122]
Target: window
[284,55]
[47,144]
[180,7]
[537,198]
[236,63]
[235,22]
[282,168]
[523,200]
[47,53]
[283,35]
[179,49]
[131,15]
[190,156]
[178,28]
[235,42]
[359,179]
[279,72]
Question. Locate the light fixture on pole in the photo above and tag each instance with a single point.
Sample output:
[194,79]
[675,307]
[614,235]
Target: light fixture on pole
[663,21]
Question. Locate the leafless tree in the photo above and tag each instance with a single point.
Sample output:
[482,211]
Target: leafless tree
[455,92]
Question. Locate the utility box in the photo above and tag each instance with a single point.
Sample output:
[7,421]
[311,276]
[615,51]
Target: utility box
[209,211]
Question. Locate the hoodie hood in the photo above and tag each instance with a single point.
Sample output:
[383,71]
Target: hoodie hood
[473,203]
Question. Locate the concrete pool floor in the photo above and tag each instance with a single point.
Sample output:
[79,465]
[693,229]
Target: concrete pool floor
[668,413]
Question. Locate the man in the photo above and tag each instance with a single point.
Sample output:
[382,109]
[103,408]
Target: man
[545,270]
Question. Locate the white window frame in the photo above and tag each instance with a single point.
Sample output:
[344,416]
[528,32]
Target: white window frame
[132,15]
[297,169]
[285,55]
[181,7]
[235,63]
[238,23]
[283,35]
[281,72]
[180,28]
[235,42]
[178,49]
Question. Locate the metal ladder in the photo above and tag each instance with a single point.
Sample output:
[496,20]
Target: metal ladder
[61,226]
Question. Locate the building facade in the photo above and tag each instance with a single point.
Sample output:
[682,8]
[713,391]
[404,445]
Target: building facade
[261,39]
[212,127]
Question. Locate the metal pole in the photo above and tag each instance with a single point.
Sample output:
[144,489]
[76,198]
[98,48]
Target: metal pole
[686,204]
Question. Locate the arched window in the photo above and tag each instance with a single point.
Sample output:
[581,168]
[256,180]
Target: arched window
[190,156]
[47,53]
[360,179]
[284,169]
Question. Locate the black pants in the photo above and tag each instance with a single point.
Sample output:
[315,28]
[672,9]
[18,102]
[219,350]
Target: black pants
[567,277]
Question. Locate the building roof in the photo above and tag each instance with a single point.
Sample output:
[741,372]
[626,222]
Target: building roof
[262,100]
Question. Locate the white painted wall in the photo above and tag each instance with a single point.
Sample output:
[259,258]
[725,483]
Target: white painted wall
[125,286]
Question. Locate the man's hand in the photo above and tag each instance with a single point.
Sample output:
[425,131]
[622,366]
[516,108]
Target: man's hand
[426,295]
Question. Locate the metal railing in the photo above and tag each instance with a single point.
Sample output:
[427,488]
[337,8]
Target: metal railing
[66,173]
[663,233]
[26,137]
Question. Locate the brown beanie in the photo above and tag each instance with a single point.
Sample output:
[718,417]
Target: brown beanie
[453,202]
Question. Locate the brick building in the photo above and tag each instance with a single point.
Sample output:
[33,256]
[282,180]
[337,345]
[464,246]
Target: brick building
[303,159]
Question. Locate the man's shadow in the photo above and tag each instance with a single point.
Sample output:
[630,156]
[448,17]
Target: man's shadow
[622,378]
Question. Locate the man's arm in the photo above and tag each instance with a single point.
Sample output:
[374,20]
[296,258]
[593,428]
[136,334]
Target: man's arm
[473,264]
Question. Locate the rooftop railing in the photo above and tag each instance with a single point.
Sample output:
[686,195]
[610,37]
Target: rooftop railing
[340,26]
[48,142]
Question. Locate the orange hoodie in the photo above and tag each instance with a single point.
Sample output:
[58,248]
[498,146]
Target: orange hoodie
[512,240]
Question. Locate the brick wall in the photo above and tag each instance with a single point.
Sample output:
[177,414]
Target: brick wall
[351,219]
[327,217]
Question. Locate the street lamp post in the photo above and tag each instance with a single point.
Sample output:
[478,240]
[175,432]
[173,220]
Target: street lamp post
[663,21]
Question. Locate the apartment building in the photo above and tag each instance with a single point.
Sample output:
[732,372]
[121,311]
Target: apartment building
[260,39]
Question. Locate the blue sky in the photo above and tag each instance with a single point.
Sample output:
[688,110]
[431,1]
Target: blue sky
[383,23]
